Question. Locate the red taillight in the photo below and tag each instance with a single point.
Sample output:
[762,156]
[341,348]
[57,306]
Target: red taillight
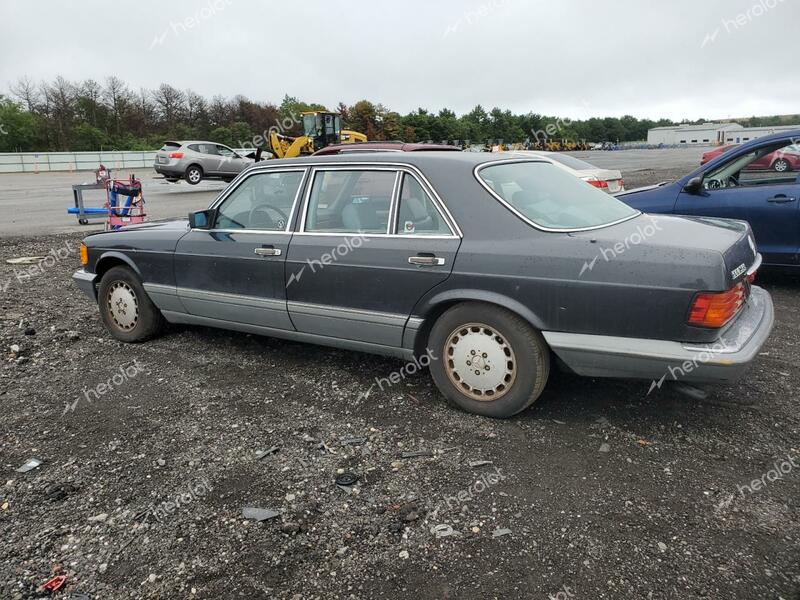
[176,155]
[598,183]
[715,309]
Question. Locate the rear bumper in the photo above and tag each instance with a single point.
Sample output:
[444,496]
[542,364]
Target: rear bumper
[168,170]
[86,283]
[725,360]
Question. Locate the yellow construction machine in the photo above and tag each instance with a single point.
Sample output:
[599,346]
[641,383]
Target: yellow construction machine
[320,129]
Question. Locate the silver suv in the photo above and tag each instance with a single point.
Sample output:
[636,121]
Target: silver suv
[196,161]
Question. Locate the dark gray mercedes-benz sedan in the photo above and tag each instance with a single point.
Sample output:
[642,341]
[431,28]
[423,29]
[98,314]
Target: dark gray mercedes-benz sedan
[492,267]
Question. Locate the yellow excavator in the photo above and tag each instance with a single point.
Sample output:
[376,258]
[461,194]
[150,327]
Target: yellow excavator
[320,129]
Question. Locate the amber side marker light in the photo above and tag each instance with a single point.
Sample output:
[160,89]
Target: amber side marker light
[716,309]
[84,255]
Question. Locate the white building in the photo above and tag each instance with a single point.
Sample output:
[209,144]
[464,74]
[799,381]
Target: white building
[711,134]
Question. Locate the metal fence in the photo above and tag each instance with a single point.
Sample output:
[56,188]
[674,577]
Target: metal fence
[44,162]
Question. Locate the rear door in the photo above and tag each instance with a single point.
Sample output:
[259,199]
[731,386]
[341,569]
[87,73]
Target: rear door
[746,188]
[371,242]
[235,271]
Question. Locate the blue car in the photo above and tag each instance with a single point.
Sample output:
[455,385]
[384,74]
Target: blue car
[740,184]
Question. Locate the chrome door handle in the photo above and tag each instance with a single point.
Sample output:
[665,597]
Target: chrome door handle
[781,199]
[426,261]
[268,251]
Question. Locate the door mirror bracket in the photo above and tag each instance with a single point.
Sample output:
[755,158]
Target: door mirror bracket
[202,219]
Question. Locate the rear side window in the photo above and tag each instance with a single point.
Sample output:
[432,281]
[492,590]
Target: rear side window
[417,214]
[548,197]
[350,201]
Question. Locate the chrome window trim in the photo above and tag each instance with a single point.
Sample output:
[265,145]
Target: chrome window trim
[231,189]
[400,169]
[310,187]
[394,208]
[451,221]
[435,205]
[476,172]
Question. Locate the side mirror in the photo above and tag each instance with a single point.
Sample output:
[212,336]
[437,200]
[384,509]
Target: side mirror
[694,185]
[202,219]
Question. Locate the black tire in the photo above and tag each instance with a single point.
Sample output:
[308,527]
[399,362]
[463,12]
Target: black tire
[83,222]
[173,179]
[521,345]
[138,318]
[194,174]
[781,165]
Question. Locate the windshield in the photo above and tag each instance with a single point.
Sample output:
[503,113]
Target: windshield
[571,162]
[549,197]
[310,126]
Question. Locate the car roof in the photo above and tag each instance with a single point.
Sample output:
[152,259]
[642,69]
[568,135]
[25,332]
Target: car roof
[187,142]
[385,145]
[418,159]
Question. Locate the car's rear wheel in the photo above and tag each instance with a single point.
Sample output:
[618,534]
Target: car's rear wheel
[126,310]
[488,360]
[194,174]
[781,165]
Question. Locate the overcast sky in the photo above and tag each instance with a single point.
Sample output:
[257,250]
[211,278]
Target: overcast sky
[573,58]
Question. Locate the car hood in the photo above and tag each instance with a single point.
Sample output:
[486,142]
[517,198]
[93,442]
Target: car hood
[644,188]
[157,236]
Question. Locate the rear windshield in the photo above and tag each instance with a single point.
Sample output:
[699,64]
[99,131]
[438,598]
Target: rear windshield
[170,145]
[571,162]
[546,196]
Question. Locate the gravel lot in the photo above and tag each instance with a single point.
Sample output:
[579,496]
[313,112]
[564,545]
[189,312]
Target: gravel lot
[607,492]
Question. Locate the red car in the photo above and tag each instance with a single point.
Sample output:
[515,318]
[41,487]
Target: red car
[383,147]
[781,161]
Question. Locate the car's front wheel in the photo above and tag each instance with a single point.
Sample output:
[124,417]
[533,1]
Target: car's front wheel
[781,165]
[487,360]
[194,174]
[126,310]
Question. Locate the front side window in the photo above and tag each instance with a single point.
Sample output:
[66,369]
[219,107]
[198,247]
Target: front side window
[417,215]
[350,201]
[263,201]
[549,197]
[775,164]
[224,151]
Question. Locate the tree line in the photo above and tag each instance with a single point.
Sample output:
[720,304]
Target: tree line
[62,115]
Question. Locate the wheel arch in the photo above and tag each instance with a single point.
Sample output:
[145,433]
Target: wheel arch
[435,306]
[114,259]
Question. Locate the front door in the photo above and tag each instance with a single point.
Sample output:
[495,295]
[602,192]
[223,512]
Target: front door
[750,188]
[372,242]
[235,270]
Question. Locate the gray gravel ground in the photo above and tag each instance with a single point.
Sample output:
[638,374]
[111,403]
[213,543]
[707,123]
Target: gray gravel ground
[607,492]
